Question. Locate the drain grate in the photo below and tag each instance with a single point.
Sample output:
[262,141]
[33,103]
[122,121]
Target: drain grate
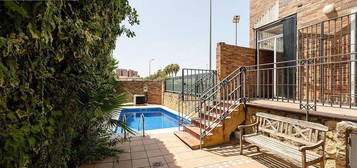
[157,164]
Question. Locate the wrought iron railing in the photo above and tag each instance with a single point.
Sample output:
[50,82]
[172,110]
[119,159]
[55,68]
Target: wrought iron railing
[323,74]
[195,82]
[221,100]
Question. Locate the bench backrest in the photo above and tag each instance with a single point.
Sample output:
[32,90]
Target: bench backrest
[300,131]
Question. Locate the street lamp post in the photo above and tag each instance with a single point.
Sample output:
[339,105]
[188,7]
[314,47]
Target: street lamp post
[236,19]
[210,34]
[151,60]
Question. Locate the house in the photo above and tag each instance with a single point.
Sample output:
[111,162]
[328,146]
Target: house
[127,74]
[301,63]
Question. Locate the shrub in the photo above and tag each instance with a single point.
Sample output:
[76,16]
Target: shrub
[57,88]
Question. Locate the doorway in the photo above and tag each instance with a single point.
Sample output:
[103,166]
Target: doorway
[276,55]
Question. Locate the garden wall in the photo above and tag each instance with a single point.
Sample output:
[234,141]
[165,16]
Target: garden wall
[231,57]
[171,100]
[155,90]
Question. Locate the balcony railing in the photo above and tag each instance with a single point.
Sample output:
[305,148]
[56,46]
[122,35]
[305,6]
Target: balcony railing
[324,73]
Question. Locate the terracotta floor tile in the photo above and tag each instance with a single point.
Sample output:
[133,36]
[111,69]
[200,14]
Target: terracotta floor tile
[87,166]
[159,159]
[132,143]
[141,163]
[169,158]
[137,148]
[122,144]
[138,155]
[153,153]
[173,165]
[138,138]
[164,151]
[180,150]
[125,148]
[151,146]
[150,141]
[104,165]
[123,164]
[109,159]
[124,156]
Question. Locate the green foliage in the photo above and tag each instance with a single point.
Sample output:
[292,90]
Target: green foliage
[169,70]
[57,87]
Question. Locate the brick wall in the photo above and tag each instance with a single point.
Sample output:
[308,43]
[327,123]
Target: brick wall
[231,57]
[308,11]
[137,87]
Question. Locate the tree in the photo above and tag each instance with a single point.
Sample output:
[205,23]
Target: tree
[175,68]
[57,84]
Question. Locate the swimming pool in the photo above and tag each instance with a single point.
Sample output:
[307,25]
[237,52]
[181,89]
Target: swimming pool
[154,118]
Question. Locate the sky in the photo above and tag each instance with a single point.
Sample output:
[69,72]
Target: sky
[177,32]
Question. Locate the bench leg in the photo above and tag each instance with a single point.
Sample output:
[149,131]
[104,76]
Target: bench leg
[322,164]
[258,149]
[241,145]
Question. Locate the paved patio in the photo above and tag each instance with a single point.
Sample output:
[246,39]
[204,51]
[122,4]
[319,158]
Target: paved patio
[167,151]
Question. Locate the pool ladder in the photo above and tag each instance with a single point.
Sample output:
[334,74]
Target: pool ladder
[142,123]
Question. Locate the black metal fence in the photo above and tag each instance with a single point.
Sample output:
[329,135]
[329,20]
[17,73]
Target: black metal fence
[173,84]
[191,81]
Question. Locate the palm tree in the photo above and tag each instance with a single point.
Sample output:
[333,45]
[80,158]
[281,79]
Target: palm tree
[175,68]
[168,69]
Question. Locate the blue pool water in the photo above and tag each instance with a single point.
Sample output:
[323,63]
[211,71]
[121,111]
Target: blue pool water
[155,118]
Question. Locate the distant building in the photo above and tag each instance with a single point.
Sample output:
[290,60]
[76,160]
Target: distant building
[126,74]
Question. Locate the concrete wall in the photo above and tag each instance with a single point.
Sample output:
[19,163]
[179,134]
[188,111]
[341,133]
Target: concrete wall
[155,90]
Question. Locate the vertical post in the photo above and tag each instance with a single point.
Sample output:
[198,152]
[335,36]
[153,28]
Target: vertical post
[258,53]
[322,35]
[275,69]
[244,74]
[143,123]
[124,120]
[210,34]
[353,45]
[236,33]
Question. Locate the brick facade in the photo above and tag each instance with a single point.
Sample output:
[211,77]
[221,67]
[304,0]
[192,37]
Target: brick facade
[308,11]
[231,57]
[155,90]
[126,74]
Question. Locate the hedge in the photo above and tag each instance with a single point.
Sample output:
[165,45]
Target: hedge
[57,87]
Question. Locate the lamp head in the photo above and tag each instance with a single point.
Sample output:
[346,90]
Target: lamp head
[236,18]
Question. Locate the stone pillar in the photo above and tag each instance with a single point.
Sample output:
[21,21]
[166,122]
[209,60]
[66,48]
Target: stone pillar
[341,136]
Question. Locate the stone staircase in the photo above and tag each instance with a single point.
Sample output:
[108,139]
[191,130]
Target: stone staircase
[220,133]
[215,111]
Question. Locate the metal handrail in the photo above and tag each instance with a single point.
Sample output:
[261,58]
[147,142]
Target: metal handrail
[188,107]
[142,123]
[231,93]
[123,130]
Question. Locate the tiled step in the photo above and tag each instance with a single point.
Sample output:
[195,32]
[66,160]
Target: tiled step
[218,109]
[197,122]
[211,116]
[188,139]
[193,130]
[226,103]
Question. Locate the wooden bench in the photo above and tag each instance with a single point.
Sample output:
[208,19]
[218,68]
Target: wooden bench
[308,135]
